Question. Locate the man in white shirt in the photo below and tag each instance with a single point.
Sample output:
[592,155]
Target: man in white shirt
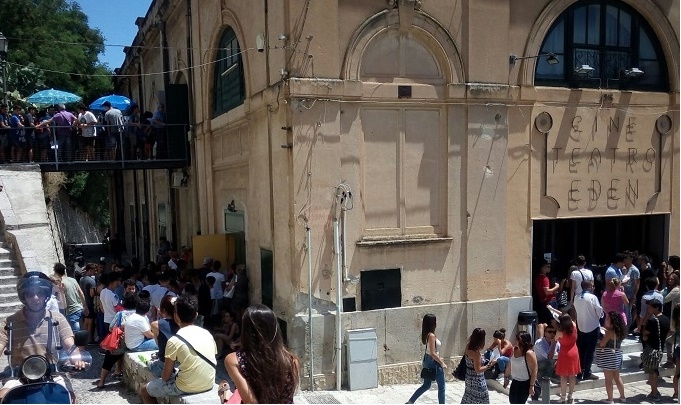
[109,299]
[157,294]
[219,278]
[589,313]
[88,124]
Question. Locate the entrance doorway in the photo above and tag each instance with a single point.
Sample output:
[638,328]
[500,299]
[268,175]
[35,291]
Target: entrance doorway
[599,239]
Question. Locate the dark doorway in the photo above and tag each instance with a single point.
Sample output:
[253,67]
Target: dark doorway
[267,277]
[600,238]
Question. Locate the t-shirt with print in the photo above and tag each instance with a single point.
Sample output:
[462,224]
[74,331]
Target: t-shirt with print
[90,130]
[195,374]
[578,276]
[135,326]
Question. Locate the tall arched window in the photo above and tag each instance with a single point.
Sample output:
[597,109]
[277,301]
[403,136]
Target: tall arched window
[612,39]
[229,90]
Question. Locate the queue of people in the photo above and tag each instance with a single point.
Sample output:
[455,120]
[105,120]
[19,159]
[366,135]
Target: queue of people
[57,134]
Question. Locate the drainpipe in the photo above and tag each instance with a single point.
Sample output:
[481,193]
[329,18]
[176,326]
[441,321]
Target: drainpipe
[309,303]
[339,300]
[192,113]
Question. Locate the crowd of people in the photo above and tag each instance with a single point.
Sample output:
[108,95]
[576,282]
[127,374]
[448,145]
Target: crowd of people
[57,134]
[578,324]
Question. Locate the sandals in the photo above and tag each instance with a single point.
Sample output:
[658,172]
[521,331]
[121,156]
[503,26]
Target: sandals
[223,392]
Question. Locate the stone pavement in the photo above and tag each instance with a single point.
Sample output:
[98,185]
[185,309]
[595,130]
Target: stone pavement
[399,394]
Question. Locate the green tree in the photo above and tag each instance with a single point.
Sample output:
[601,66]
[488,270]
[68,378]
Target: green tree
[54,35]
[90,191]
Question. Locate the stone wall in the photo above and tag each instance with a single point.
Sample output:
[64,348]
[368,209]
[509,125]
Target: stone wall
[136,374]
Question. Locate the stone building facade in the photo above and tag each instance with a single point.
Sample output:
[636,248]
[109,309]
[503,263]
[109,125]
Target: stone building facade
[431,149]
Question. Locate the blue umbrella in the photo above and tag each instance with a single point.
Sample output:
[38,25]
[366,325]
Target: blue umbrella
[120,102]
[52,96]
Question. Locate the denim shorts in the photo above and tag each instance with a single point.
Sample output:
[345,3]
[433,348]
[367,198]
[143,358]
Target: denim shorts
[160,389]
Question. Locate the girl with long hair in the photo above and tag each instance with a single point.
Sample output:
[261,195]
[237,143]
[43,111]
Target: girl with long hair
[431,359]
[615,332]
[567,365]
[522,368]
[264,371]
[476,387]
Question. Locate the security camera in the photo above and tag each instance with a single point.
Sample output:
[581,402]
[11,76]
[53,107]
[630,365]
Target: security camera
[260,42]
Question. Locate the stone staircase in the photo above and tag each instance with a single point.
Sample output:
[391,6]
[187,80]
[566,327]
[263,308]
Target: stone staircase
[631,358]
[9,275]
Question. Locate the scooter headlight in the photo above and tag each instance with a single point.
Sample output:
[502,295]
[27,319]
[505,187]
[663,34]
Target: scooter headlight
[34,367]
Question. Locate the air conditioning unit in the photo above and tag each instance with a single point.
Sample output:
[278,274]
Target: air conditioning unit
[179,180]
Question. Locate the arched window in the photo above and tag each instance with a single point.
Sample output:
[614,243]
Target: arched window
[612,39]
[229,90]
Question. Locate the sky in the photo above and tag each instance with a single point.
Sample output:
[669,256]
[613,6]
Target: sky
[116,20]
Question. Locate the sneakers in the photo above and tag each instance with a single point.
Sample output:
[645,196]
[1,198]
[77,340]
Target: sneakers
[654,397]
[592,377]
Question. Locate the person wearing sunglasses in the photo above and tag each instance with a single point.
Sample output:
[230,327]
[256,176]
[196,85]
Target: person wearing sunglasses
[546,348]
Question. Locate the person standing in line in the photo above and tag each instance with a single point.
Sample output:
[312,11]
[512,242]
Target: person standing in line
[614,299]
[615,332]
[88,124]
[522,369]
[88,286]
[633,276]
[546,293]
[29,131]
[651,294]
[546,349]
[75,299]
[63,121]
[675,380]
[113,118]
[431,359]
[615,268]
[476,386]
[4,132]
[17,139]
[567,365]
[577,276]
[653,334]
[671,301]
[589,313]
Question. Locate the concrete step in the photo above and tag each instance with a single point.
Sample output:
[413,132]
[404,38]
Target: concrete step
[5,254]
[11,306]
[8,286]
[9,297]
[9,272]
[8,278]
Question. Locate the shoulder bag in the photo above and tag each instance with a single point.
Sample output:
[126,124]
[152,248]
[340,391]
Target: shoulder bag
[460,372]
[609,358]
[651,358]
[198,353]
[115,340]
[427,373]
[537,384]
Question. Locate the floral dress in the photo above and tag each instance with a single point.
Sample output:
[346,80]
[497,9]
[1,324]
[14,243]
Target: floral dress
[476,387]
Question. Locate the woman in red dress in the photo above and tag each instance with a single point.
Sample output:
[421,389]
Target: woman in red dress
[567,365]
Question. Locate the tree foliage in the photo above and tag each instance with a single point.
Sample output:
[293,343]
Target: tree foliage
[33,28]
[90,191]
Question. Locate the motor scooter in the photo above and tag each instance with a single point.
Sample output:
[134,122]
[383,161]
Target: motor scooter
[39,374]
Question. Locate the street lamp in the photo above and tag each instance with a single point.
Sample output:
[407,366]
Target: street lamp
[3,56]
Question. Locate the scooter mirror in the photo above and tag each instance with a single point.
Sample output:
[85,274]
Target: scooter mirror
[81,338]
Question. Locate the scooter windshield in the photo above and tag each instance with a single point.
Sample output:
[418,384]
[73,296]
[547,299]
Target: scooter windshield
[38,393]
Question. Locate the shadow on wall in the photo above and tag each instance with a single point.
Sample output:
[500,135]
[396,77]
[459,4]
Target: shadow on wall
[76,226]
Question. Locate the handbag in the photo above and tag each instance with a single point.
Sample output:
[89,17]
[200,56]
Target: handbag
[651,358]
[114,342]
[609,358]
[427,373]
[460,371]
[537,384]
[562,300]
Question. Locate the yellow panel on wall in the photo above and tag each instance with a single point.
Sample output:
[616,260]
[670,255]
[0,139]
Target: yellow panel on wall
[219,247]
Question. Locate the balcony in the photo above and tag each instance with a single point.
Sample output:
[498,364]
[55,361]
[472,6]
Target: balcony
[66,149]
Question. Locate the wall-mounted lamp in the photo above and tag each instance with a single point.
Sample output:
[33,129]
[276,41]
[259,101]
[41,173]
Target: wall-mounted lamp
[260,42]
[229,70]
[633,73]
[583,70]
[551,58]
[231,207]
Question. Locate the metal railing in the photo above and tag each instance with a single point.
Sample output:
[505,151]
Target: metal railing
[58,148]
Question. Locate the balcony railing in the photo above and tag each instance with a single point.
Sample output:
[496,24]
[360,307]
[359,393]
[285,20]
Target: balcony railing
[65,148]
